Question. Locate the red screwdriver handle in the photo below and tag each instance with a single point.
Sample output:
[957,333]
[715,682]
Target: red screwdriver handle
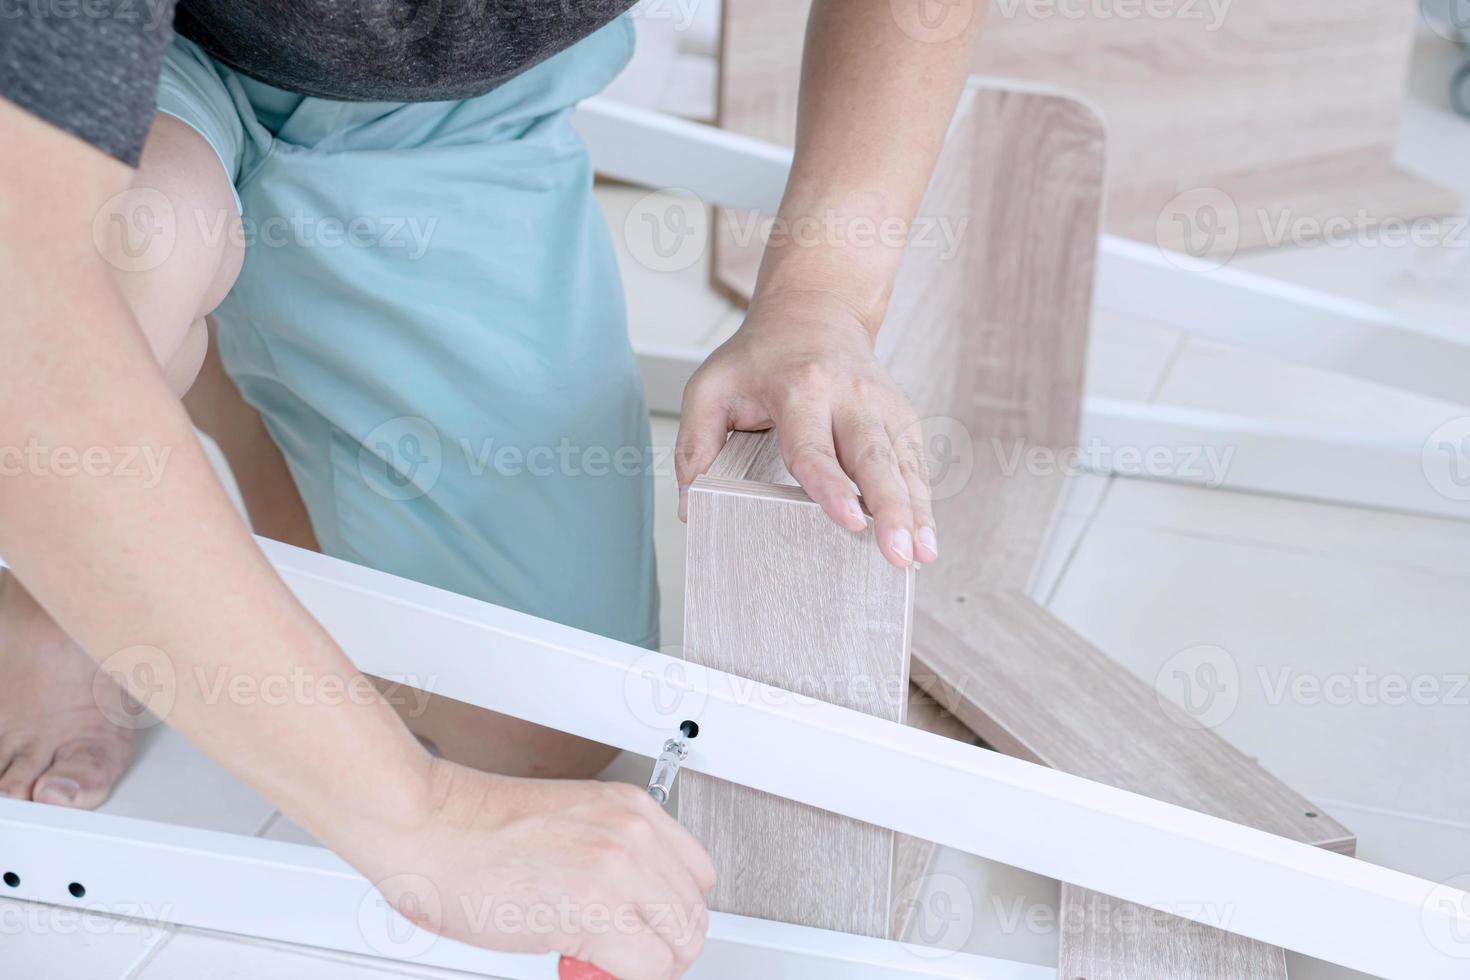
[570,969]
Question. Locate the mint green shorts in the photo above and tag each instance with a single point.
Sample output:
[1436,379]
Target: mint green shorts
[431,322]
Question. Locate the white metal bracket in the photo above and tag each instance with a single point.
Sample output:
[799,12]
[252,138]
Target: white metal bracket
[1141,850]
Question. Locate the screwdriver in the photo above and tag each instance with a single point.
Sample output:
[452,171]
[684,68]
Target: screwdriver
[660,785]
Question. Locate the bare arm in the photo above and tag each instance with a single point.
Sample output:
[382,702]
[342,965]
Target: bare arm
[124,564]
[878,90]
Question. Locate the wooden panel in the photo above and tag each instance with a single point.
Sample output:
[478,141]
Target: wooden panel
[1108,940]
[779,594]
[989,344]
[1271,112]
[1033,688]
[912,855]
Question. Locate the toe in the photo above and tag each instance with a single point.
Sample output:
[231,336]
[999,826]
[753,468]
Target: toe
[81,774]
[25,765]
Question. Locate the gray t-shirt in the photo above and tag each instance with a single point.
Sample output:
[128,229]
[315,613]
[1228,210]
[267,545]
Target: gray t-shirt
[91,67]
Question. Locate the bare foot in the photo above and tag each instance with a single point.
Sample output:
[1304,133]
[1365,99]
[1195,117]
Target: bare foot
[57,744]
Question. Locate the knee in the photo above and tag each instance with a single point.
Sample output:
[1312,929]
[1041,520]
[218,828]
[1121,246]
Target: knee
[173,242]
[182,367]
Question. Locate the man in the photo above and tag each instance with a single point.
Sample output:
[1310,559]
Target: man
[261,169]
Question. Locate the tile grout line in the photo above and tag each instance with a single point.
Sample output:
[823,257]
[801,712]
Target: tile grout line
[1282,548]
[1088,521]
[151,953]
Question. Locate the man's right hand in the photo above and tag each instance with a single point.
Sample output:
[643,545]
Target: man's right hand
[593,871]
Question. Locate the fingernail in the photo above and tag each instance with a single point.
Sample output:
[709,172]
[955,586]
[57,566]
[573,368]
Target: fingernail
[58,790]
[928,540]
[856,510]
[903,544]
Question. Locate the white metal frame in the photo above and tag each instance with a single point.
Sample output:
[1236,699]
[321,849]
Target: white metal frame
[174,875]
[1248,310]
[1141,850]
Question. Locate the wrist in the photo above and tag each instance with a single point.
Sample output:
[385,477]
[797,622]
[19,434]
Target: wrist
[385,792]
[833,297]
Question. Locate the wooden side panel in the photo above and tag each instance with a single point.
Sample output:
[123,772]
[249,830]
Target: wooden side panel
[1263,111]
[1032,688]
[1104,939]
[777,593]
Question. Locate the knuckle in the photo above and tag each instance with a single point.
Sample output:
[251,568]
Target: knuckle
[911,464]
[811,453]
[625,793]
[806,384]
[875,453]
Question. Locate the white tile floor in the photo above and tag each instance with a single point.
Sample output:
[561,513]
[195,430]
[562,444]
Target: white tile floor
[1290,589]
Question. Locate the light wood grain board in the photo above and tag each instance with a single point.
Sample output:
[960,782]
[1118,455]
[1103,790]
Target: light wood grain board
[1103,939]
[1223,130]
[989,344]
[778,593]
